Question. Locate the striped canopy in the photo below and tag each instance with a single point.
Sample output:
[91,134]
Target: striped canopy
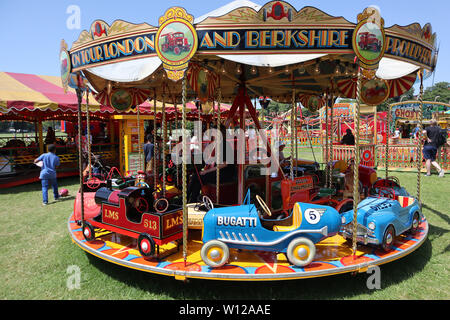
[33,97]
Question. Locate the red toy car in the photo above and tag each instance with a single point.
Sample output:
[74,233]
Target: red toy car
[130,212]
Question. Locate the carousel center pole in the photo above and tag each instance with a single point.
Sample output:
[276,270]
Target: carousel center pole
[356,163]
[185,150]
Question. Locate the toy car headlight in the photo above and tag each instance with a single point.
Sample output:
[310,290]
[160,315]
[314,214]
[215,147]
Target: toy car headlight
[343,220]
[371,225]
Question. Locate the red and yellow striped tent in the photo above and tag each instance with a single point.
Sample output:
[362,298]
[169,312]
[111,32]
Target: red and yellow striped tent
[32,97]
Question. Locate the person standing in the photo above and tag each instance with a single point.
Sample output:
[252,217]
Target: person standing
[148,153]
[431,136]
[48,172]
[348,138]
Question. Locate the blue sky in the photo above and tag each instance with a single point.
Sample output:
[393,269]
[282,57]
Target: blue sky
[31,31]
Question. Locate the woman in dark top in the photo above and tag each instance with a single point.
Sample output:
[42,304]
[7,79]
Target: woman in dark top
[348,138]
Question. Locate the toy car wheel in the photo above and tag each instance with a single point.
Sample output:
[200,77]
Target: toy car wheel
[88,231]
[415,222]
[146,245]
[215,253]
[301,252]
[388,238]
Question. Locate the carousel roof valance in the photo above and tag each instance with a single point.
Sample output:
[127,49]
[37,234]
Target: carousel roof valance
[33,97]
[273,48]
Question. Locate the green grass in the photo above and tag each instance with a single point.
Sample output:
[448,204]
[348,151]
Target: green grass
[37,250]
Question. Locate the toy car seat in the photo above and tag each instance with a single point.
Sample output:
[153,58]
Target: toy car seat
[296,220]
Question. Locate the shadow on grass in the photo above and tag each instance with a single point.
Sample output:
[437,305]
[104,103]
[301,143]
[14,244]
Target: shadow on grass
[343,286]
[36,186]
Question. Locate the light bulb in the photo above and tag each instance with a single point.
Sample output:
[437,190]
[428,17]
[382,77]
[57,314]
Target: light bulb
[238,69]
[301,70]
[317,69]
[253,70]
[337,71]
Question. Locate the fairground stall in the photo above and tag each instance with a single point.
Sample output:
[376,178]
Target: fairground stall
[403,125]
[287,221]
[39,100]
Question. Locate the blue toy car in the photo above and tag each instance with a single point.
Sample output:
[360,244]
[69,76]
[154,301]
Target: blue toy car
[241,227]
[381,219]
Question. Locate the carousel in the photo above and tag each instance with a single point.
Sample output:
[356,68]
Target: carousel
[262,215]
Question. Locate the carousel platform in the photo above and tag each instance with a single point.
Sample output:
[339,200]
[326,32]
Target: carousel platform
[333,256]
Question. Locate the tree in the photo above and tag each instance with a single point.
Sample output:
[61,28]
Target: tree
[440,91]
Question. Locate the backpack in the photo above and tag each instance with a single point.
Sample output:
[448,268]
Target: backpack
[441,138]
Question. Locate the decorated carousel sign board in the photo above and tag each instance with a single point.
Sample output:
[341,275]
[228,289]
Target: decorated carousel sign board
[245,30]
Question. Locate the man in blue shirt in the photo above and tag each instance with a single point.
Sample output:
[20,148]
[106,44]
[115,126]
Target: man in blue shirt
[48,172]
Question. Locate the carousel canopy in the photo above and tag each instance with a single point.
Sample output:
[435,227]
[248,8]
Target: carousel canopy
[272,48]
[36,97]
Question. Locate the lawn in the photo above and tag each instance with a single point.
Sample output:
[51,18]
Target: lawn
[37,252]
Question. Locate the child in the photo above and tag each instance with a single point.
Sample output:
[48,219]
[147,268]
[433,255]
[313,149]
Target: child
[48,172]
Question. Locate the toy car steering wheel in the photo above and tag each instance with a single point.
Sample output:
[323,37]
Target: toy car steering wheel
[263,205]
[388,182]
[141,205]
[142,184]
[93,183]
[385,192]
[161,205]
[208,202]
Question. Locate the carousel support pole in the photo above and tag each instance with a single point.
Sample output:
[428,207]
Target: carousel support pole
[185,151]
[241,163]
[330,171]
[386,159]
[155,181]
[140,163]
[419,135]
[292,135]
[176,128]
[356,163]
[164,141]
[218,145]
[88,133]
[41,137]
[80,154]
[326,142]
[296,136]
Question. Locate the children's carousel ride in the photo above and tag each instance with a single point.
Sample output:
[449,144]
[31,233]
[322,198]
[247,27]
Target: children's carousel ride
[288,223]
